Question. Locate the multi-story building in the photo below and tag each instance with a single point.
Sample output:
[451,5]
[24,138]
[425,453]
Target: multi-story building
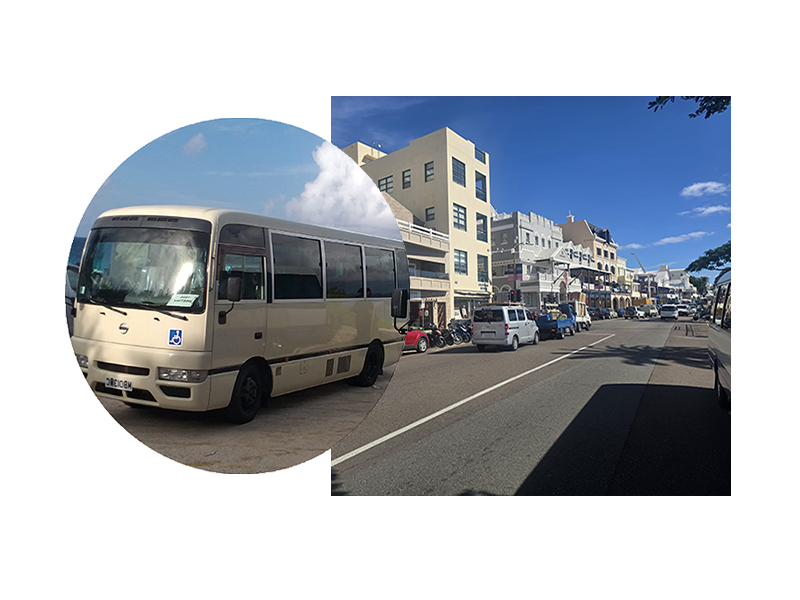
[666,285]
[428,256]
[529,256]
[443,179]
[601,285]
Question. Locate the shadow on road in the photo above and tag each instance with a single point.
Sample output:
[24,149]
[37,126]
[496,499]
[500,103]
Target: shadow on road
[679,443]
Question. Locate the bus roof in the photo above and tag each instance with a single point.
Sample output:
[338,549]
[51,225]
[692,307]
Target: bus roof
[223,216]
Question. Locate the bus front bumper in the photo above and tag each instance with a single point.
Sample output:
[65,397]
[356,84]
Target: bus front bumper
[131,375]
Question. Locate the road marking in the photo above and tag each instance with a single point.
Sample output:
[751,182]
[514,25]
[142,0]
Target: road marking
[447,409]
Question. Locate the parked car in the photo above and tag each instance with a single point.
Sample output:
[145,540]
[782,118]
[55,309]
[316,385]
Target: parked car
[418,340]
[669,311]
[604,313]
[683,310]
[634,312]
[507,326]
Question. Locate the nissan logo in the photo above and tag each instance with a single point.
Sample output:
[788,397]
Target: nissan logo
[123,328]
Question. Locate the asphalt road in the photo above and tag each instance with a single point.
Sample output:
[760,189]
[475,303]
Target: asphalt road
[293,429]
[626,408]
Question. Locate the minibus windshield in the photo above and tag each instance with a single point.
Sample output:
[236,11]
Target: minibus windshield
[145,268]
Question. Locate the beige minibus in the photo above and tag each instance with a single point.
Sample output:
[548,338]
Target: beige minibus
[197,309]
[719,339]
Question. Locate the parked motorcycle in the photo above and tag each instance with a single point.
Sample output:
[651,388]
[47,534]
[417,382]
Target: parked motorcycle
[437,337]
[463,331]
[458,336]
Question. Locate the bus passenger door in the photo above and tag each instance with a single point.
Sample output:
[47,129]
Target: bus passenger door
[240,328]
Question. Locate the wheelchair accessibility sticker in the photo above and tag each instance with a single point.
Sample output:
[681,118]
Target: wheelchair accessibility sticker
[176,337]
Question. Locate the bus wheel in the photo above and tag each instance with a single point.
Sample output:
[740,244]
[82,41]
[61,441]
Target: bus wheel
[373,365]
[247,394]
[722,398]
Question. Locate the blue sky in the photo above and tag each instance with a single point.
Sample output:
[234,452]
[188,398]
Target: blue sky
[660,182]
[255,165]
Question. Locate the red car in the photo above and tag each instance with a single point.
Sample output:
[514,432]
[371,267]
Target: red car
[416,339]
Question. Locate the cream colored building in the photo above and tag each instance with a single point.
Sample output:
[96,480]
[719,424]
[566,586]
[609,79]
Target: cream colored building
[443,179]
[603,287]
[428,254]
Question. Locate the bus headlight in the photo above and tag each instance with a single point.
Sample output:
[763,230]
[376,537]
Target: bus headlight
[83,361]
[184,375]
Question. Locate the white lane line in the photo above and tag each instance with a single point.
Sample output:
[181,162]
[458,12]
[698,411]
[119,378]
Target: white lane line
[447,409]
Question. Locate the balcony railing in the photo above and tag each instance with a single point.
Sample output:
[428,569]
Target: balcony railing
[414,272]
[422,231]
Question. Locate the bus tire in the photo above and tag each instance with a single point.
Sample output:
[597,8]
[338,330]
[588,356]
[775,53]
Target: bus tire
[373,366]
[248,392]
[722,398]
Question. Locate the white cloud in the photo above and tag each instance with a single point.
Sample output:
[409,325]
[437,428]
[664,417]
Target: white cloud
[632,247]
[704,211]
[342,196]
[195,145]
[704,189]
[686,237]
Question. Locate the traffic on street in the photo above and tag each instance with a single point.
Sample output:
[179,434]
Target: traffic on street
[627,407]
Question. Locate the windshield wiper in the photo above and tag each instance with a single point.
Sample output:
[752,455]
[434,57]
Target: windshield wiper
[103,302]
[154,306]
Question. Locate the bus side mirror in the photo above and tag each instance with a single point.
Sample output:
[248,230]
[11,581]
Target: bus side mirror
[234,289]
[400,304]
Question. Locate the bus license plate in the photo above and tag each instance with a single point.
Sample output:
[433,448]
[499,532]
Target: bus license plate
[119,384]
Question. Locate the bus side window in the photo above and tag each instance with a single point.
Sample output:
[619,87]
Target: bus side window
[298,267]
[380,272]
[726,319]
[250,268]
[344,274]
[719,304]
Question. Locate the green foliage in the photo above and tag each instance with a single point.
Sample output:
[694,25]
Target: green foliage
[713,260]
[708,105]
[700,283]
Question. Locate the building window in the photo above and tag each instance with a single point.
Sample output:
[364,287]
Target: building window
[406,179]
[504,238]
[527,238]
[460,262]
[459,172]
[481,227]
[612,256]
[386,184]
[481,156]
[429,171]
[480,186]
[599,252]
[459,217]
[537,240]
[483,269]
[430,214]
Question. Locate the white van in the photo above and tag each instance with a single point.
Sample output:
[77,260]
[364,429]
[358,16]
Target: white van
[500,325]
[669,311]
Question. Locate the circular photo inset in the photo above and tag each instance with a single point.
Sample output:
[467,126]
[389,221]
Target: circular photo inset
[236,292]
